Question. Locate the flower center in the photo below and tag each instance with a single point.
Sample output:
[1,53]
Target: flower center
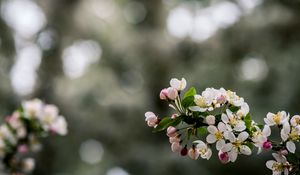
[277,119]
[294,135]
[201,102]
[219,135]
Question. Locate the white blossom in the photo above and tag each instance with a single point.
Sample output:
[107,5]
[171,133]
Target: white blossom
[204,151]
[281,165]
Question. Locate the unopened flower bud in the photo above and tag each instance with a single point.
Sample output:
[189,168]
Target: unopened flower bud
[172,93]
[174,116]
[193,153]
[151,119]
[176,147]
[174,139]
[267,145]
[171,131]
[163,94]
[223,157]
[210,119]
[184,151]
[23,149]
[28,164]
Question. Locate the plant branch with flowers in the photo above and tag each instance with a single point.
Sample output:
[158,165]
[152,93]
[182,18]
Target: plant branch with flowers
[20,134]
[220,117]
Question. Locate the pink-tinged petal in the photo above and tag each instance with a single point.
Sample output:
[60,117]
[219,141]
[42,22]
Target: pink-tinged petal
[175,83]
[291,147]
[279,158]
[193,154]
[233,155]
[171,131]
[220,144]
[149,114]
[163,95]
[172,93]
[211,138]
[212,129]
[243,136]
[174,139]
[270,164]
[176,147]
[269,122]
[245,150]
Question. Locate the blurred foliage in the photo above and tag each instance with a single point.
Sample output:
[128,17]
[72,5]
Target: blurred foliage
[139,56]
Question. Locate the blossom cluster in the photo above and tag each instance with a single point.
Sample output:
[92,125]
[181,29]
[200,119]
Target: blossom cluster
[20,133]
[222,118]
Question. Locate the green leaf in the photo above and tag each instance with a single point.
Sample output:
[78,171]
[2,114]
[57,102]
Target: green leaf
[250,145]
[248,121]
[191,92]
[233,108]
[202,131]
[292,158]
[189,132]
[188,101]
[166,122]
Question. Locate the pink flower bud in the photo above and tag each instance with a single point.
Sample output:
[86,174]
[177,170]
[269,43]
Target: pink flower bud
[174,116]
[193,153]
[267,145]
[151,119]
[171,131]
[163,94]
[223,157]
[221,99]
[172,93]
[184,151]
[210,119]
[23,149]
[174,139]
[176,147]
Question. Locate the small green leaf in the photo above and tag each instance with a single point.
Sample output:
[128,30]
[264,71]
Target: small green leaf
[202,131]
[292,158]
[248,121]
[188,101]
[233,108]
[189,132]
[166,122]
[191,92]
[250,145]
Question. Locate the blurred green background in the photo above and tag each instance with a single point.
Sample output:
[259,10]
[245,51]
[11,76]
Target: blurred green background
[103,62]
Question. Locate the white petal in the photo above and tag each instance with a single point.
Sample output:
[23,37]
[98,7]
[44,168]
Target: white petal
[211,138]
[245,150]
[230,136]
[243,136]
[291,146]
[286,127]
[222,127]
[270,163]
[284,135]
[266,131]
[240,126]
[225,118]
[208,154]
[279,158]
[227,147]
[197,108]
[175,83]
[286,171]
[220,144]
[212,129]
[233,155]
